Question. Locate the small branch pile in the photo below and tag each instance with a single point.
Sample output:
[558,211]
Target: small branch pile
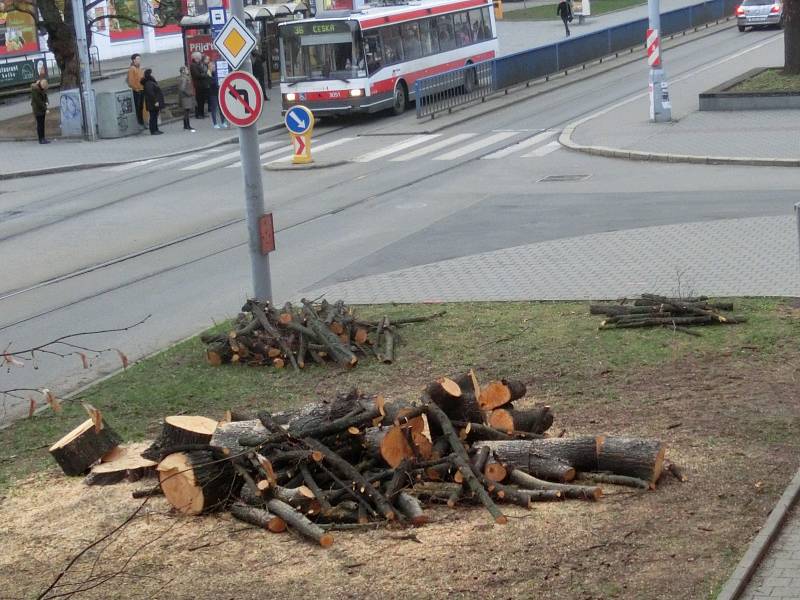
[652,310]
[360,461]
[266,335]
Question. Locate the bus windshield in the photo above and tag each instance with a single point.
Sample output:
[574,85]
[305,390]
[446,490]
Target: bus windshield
[321,50]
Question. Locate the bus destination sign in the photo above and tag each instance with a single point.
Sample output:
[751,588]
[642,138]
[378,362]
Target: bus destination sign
[324,28]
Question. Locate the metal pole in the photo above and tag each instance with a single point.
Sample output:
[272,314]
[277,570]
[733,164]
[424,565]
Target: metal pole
[797,217]
[85,79]
[253,191]
[660,106]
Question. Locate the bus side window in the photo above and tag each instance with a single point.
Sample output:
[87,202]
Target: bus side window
[373,50]
[428,37]
[392,45]
[444,30]
[476,23]
[463,31]
[487,24]
[411,44]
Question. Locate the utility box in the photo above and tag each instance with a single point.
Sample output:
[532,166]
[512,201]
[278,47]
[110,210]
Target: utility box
[116,114]
[71,115]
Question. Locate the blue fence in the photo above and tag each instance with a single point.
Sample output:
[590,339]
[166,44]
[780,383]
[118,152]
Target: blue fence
[446,90]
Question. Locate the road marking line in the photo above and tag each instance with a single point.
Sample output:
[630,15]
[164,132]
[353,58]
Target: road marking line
[478,145]
[223,157]
[129,166]
[263,155]
[543,150]
[319,148]
[413,141]
[460,137]
[188,157]
[531,141]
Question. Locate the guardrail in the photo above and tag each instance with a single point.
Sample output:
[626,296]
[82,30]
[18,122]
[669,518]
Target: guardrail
[445,91]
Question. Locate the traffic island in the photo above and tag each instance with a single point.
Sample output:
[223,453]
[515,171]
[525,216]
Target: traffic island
[287,166]
[725,405]
[763,88]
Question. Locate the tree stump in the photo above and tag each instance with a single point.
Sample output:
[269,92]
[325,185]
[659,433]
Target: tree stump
[123,462]
[194,482]
[181,430]
[83,446]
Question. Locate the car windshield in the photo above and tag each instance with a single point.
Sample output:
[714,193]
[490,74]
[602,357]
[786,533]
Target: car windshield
[321,51]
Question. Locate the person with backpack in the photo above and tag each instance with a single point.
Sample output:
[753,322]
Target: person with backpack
[564,10]
[153,99]
[39,106]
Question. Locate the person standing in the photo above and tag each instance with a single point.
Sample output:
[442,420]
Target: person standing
[153,98]
[135,75]
[217,118]
[199,73]
[564,10]
[186,97]
[258,71]
[39,106]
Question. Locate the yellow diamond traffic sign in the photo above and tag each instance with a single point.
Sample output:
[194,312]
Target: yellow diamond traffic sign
[235,42]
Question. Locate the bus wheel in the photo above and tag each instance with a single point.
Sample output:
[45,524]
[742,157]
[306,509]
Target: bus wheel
[470,80]
[400,99]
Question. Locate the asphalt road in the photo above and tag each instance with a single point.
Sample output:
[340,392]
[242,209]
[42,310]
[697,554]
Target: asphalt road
[103,248]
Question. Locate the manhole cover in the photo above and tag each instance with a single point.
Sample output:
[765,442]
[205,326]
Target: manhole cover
[564,178]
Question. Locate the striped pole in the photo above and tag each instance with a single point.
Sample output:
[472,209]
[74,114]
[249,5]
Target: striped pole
[660,106]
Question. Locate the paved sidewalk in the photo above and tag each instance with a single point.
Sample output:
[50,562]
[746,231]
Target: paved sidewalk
[779,576]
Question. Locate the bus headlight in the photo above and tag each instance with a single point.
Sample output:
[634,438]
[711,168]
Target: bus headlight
[356,93]
[291,97]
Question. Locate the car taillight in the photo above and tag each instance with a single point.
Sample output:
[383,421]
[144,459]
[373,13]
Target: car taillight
[740,10]
[776,8]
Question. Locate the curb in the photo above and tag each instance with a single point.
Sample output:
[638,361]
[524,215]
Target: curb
[305,167]
[84,166]
[758,548]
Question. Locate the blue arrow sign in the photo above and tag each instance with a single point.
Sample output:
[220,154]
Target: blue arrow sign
[299,120]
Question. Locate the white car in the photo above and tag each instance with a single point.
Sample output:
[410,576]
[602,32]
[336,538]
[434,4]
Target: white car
[759,13]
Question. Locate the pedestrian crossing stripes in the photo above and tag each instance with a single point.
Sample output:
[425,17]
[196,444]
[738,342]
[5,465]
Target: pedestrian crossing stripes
[492,145]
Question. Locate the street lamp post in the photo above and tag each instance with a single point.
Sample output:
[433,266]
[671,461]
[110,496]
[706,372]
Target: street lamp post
[660,106]
[85,78]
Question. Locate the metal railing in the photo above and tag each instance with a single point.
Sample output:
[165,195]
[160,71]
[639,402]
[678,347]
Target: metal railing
[459,86]
[445,91]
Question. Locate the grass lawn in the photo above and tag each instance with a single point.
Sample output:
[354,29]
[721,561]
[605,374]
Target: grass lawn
[726,405]
[769,80]
[547,12]
[497,339]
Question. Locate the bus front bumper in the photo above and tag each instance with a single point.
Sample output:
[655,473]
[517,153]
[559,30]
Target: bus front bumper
[364,104]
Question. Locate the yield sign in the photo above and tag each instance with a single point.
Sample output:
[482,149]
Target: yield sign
[240,98]
[235,42]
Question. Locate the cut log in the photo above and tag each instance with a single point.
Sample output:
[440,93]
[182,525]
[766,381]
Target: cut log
[300,523]
[533,420]
[573,492]
[468,408]
[392,443]
[494,471]
[411,508]
[633,482]
[226,435]
[181,430]
[83,446]
[581,453]
[338,351]
[445,392]
[632,457]
[259,517]
[123,462]
[500,393]
[194,482]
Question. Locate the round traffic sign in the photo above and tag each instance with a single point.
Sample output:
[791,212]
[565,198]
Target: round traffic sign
[240,98]
[299,120]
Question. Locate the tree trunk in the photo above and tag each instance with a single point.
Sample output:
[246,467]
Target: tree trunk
[122,463]
[300,523]
[533,420]
[258,517]
[61,40]
[194,482]
[575,492]
[411,508]
[226,435]
[552,458]
[179,431]
[791,37]
[632,457]
[83,446]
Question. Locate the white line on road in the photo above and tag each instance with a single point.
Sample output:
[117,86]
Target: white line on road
[543,150]
[222,158]
[531,141]
[460,137]
[129,166]
[264,155]
[477,145]
[413,141]
[320,148]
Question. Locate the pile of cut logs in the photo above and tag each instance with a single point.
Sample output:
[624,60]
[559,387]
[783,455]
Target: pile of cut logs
[266,335]
[359,461]
[652,310]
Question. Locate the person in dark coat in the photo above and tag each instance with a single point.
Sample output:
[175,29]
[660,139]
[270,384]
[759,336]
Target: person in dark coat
[153,99]
[202,84]
[39,106]
[258,71]
[564,10]
[186,97]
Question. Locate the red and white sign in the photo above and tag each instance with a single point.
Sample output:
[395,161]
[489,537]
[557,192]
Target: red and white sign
[653,48]
[241,99]
[299,145]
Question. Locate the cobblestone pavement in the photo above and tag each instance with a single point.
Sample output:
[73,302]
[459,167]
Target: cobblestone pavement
[735,257]
[778,577]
